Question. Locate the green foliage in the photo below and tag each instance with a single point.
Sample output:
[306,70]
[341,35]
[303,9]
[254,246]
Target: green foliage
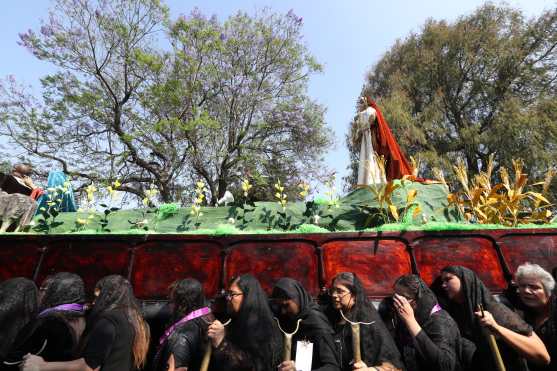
[166,211]
[103,217]
[48,214]
[227,97]
[462,90]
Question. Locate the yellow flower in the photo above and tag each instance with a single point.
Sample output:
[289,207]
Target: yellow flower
[304,189]
[116,184]
[200,184]
[91,189]
[81,221]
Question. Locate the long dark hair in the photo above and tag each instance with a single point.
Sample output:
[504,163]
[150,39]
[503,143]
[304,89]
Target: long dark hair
[362,309]
[18,305]
[187,296]
[62,288]
[253,328]
[116,292]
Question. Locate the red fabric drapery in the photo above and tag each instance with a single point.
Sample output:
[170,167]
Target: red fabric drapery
[396,164]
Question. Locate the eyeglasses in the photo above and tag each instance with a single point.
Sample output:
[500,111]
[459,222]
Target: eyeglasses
[338,292]
[231,294]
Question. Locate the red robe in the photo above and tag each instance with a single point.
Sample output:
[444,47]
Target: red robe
[396,164]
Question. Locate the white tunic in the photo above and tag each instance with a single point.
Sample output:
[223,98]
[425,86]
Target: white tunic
[368,169]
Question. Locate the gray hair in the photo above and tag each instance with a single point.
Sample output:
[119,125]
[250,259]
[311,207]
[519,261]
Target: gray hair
[535,271]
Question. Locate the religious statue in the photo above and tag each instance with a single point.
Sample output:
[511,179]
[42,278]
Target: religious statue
[381,159]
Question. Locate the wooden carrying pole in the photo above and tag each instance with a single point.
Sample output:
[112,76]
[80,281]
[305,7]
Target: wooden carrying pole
[493,346]
[355,327]
[287,346]
[208,352]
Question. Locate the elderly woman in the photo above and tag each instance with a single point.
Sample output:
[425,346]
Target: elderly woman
[537,303]
[467,296]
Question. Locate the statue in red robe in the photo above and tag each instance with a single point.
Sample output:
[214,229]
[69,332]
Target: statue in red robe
[382,143]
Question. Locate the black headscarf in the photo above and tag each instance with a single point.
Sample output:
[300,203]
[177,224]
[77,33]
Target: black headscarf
[18,305]
[62,288]
[424,297]
[314,322]
[252,329]
[476,293]
[377,344]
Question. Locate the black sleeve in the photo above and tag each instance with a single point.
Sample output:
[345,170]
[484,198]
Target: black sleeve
[184,345]
[229,357]
[435,345]
[59,340]
[51,335]
[378,346]
[324,354]
[99,343]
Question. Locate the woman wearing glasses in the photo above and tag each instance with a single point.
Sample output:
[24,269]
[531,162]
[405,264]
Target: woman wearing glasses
[465,295]
[536,291]
[349,302]
[427,336]
[251,341]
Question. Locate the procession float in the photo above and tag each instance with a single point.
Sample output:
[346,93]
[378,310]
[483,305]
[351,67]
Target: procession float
[393,223]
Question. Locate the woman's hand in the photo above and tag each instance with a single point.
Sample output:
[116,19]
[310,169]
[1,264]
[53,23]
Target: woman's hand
[359,366]
[215,332]
[406,313]
[31,363]
[486,320]
[403,308]
[287,366]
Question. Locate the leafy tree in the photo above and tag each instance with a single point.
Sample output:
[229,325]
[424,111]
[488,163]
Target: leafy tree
[222,100]
[483,84]
[235,94]
[85,120]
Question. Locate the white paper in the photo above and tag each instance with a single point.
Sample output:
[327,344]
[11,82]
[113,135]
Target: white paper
[304,354]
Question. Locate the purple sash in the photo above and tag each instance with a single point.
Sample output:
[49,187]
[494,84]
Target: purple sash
[193,315]
[74,307]
[435,309]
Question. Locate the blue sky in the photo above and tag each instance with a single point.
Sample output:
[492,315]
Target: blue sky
[347,37]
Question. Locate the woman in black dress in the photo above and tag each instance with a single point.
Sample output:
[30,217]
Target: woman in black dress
[184,341]
[376,344]
[116,337]
[57,329]
[291,302]
[537,303]
[251,341]
[426,335]
[18,305]
[462,293]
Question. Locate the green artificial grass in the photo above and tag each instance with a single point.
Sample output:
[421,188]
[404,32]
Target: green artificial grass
[356,212]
